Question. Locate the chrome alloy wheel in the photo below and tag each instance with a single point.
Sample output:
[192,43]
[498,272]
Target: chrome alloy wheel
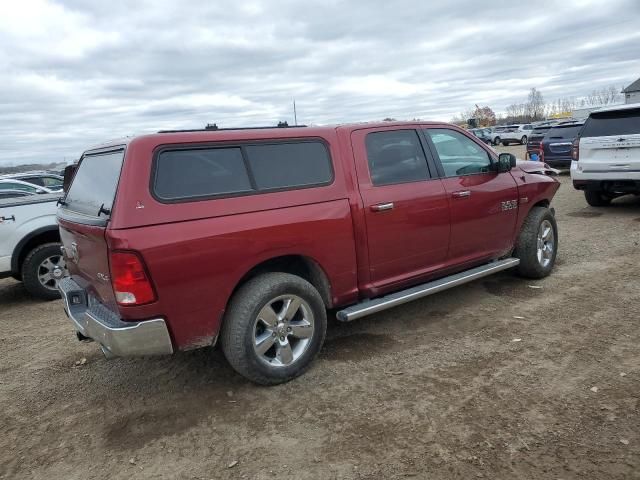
[546,243]
[51,271]
[282,331]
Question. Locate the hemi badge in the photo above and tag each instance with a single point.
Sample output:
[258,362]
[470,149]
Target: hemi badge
[524,199]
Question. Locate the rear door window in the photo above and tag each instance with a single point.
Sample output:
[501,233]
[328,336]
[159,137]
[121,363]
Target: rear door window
[52,182]
[94,185]
[396,156]
[621,122]
[289,165]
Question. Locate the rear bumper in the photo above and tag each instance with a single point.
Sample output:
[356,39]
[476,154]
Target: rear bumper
[588,171]
[609,186]
[557,162]
[117,338]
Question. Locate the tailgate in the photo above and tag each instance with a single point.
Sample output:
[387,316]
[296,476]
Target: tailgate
[611,153]
[87,256]
[84,219]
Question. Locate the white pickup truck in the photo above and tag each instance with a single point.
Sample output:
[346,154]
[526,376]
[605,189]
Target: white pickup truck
[30,244]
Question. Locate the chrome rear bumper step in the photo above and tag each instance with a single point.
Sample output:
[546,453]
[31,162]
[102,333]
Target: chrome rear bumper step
[375,305]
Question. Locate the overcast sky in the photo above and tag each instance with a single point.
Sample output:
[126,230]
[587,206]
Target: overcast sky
[75,73]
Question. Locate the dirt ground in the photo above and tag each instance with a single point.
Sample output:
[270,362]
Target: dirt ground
[501,378]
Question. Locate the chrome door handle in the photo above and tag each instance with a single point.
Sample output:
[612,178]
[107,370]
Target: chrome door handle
[381,207]
[461,194]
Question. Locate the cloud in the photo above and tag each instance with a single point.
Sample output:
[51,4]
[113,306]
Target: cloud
[76,73]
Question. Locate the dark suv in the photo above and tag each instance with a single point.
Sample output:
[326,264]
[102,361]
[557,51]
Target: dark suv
[557,144]
[535,139]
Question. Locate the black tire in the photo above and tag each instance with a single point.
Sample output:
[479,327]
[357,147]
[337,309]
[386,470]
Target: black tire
[496,141]
[237,336]
[596,198]
[523,140]
[527,244]
[30,269]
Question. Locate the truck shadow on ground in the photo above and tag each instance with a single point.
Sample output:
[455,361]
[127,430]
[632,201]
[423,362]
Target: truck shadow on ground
[151,398]
[13,293]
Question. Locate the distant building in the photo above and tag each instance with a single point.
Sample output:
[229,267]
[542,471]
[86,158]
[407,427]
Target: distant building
[583,113]
[632,92]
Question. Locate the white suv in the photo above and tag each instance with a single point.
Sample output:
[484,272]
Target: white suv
[512,134]
[606,154]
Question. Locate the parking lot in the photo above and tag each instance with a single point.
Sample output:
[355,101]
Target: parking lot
[501,378]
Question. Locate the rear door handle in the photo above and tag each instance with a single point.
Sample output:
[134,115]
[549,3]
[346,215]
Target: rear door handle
[461,194]
[381,207]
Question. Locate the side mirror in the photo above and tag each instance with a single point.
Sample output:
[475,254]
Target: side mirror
[69,172]
[506,161]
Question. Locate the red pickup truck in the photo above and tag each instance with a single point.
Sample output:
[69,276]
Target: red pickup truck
[246,237]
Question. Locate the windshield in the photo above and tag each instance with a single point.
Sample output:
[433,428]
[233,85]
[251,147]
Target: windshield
[94,185]
[621,122]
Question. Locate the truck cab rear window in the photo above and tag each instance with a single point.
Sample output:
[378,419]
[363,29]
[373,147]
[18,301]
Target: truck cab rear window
[95,183]
[210,172]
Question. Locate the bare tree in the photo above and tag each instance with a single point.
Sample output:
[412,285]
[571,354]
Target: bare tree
[535,105]
[603,96]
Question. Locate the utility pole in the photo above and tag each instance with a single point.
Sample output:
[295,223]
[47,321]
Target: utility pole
[295,115]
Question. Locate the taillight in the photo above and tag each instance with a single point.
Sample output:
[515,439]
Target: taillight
[575,150]
[130,280]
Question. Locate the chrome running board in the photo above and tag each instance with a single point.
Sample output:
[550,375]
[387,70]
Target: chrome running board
[398,298]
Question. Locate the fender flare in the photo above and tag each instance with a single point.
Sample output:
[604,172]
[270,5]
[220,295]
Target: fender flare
[15,268]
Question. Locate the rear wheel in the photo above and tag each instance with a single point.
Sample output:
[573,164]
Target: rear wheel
[523,140]
[537,244]
[42,269]
[274,328]
[596,198]
[496,141]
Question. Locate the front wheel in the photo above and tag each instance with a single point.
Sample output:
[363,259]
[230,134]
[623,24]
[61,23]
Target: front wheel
[537,244]
[596,198]
[523,140]
[496,141]
[274,328]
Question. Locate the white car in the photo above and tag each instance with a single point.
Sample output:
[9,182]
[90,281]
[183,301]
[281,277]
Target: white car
[507,134]
[30,243]
[10,183]
[50,181]
[606,154]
